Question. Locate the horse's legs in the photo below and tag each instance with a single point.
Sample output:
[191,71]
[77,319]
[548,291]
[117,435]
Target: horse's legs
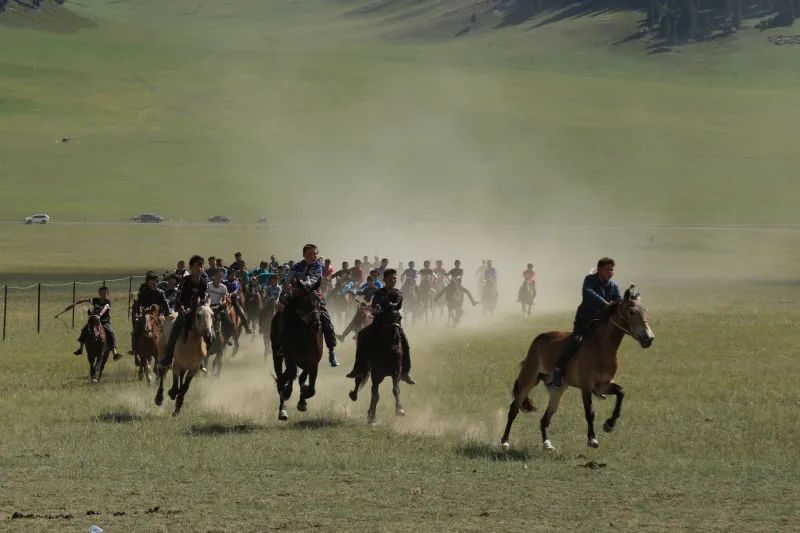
[513,411]
[552,406]
[373,402]
[398,407]
[588,411]
[302,405]
[216,365]
[160,391]
[182,393]
[91,363]
[616,390]
[286,380]
[173,392]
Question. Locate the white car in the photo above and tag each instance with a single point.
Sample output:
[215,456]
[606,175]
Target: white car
[37,219]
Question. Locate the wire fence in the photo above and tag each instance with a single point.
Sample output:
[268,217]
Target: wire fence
[33,308]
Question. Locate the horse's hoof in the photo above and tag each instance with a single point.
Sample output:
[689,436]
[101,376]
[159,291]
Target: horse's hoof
[176,413]
[593,443]
[505,445]
[608,427]
[203,369]
[159,399]
[400,412]
[95,381]
[283,416]
[302,406]
[371,422]
[547,445]
[353,395]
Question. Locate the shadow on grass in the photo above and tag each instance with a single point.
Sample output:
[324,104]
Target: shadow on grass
[315,423]
[491,452]
[120,415]
[223,429]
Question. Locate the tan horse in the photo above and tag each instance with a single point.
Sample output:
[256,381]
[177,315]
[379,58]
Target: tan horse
[147,342]
[592,369]
[190,350]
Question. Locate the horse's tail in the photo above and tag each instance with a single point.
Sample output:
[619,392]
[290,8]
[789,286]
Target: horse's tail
[528,375]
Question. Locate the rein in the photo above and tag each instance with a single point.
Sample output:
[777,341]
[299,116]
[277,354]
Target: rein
[620,326]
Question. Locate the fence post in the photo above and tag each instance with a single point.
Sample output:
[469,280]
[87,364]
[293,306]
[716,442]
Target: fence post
[5,308]
[130,295]
[38,307]
[73,301]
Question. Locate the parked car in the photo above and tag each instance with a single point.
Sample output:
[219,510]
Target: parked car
[148,218]
[262,220]
[37,219]
[219,219]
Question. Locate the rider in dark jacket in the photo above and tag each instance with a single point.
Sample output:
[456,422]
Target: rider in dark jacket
[193,288]
[599,292]
[386,305]
[148,295]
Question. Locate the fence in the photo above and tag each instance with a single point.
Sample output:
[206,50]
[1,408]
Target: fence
[43,301]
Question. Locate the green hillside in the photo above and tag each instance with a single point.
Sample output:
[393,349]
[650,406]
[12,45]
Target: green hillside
[331,109]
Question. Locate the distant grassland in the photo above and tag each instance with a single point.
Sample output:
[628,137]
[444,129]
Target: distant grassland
[273,108]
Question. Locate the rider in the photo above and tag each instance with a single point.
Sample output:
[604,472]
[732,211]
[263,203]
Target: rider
[439,273]
[309,272]
[410,274]
[383,266]
[180,271]
[193,287]
[456,271]
[386,305]
[454,285]
[234,290]
[217,292]
[426,272]
[101,307]
[148,295]
[599,293]
[528,278]
[490,272]
[274,289]
[357,273]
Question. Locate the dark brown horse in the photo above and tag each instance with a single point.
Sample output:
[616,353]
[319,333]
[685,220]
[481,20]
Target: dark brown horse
[299,345]
[265,317]
[384,358]
[97,348]
[592,369]
[147,341]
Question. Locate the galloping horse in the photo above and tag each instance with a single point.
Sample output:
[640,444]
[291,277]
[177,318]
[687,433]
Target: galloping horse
[190,350]
[253,303]
[592,369]
[489,296]
[97,348]
[299,345]
[265,317]
[411,300]
[147,341]
[426,294]
[384,358]
[527,294]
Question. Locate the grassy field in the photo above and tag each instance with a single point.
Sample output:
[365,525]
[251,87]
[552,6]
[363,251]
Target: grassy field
[371,129]
[272,107]
[707,439]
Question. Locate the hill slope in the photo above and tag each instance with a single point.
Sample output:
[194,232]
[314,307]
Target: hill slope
[252,107]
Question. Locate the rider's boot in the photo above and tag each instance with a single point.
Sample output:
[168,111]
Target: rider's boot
[79,351]
[405,376]
[332,359]
[117,355]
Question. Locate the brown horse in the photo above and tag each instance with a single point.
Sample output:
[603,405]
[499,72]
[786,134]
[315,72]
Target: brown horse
[97,348]
[526,296]
[190,350]
[253,304]
[384,358]
[221,337]
[265,317]
[299,345]
[489,296]
[147,342]
[592,369]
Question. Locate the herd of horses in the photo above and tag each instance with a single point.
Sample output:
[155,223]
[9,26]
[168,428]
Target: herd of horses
[298,356]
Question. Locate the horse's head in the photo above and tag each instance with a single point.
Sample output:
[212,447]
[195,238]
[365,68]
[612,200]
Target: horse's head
[203,322]
[634,314]
[150,319]
[305,303]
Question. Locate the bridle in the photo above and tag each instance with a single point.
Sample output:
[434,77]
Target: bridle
[620,326]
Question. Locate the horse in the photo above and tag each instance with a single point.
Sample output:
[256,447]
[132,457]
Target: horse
[190,350]
[592,369]
[238,324]
[147,341]
[527,294]
[97,348]
[411,299]
[384,359]
[299,345]
[265,317]
[426,294]
[455,303]
[489,296]
[253,303]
